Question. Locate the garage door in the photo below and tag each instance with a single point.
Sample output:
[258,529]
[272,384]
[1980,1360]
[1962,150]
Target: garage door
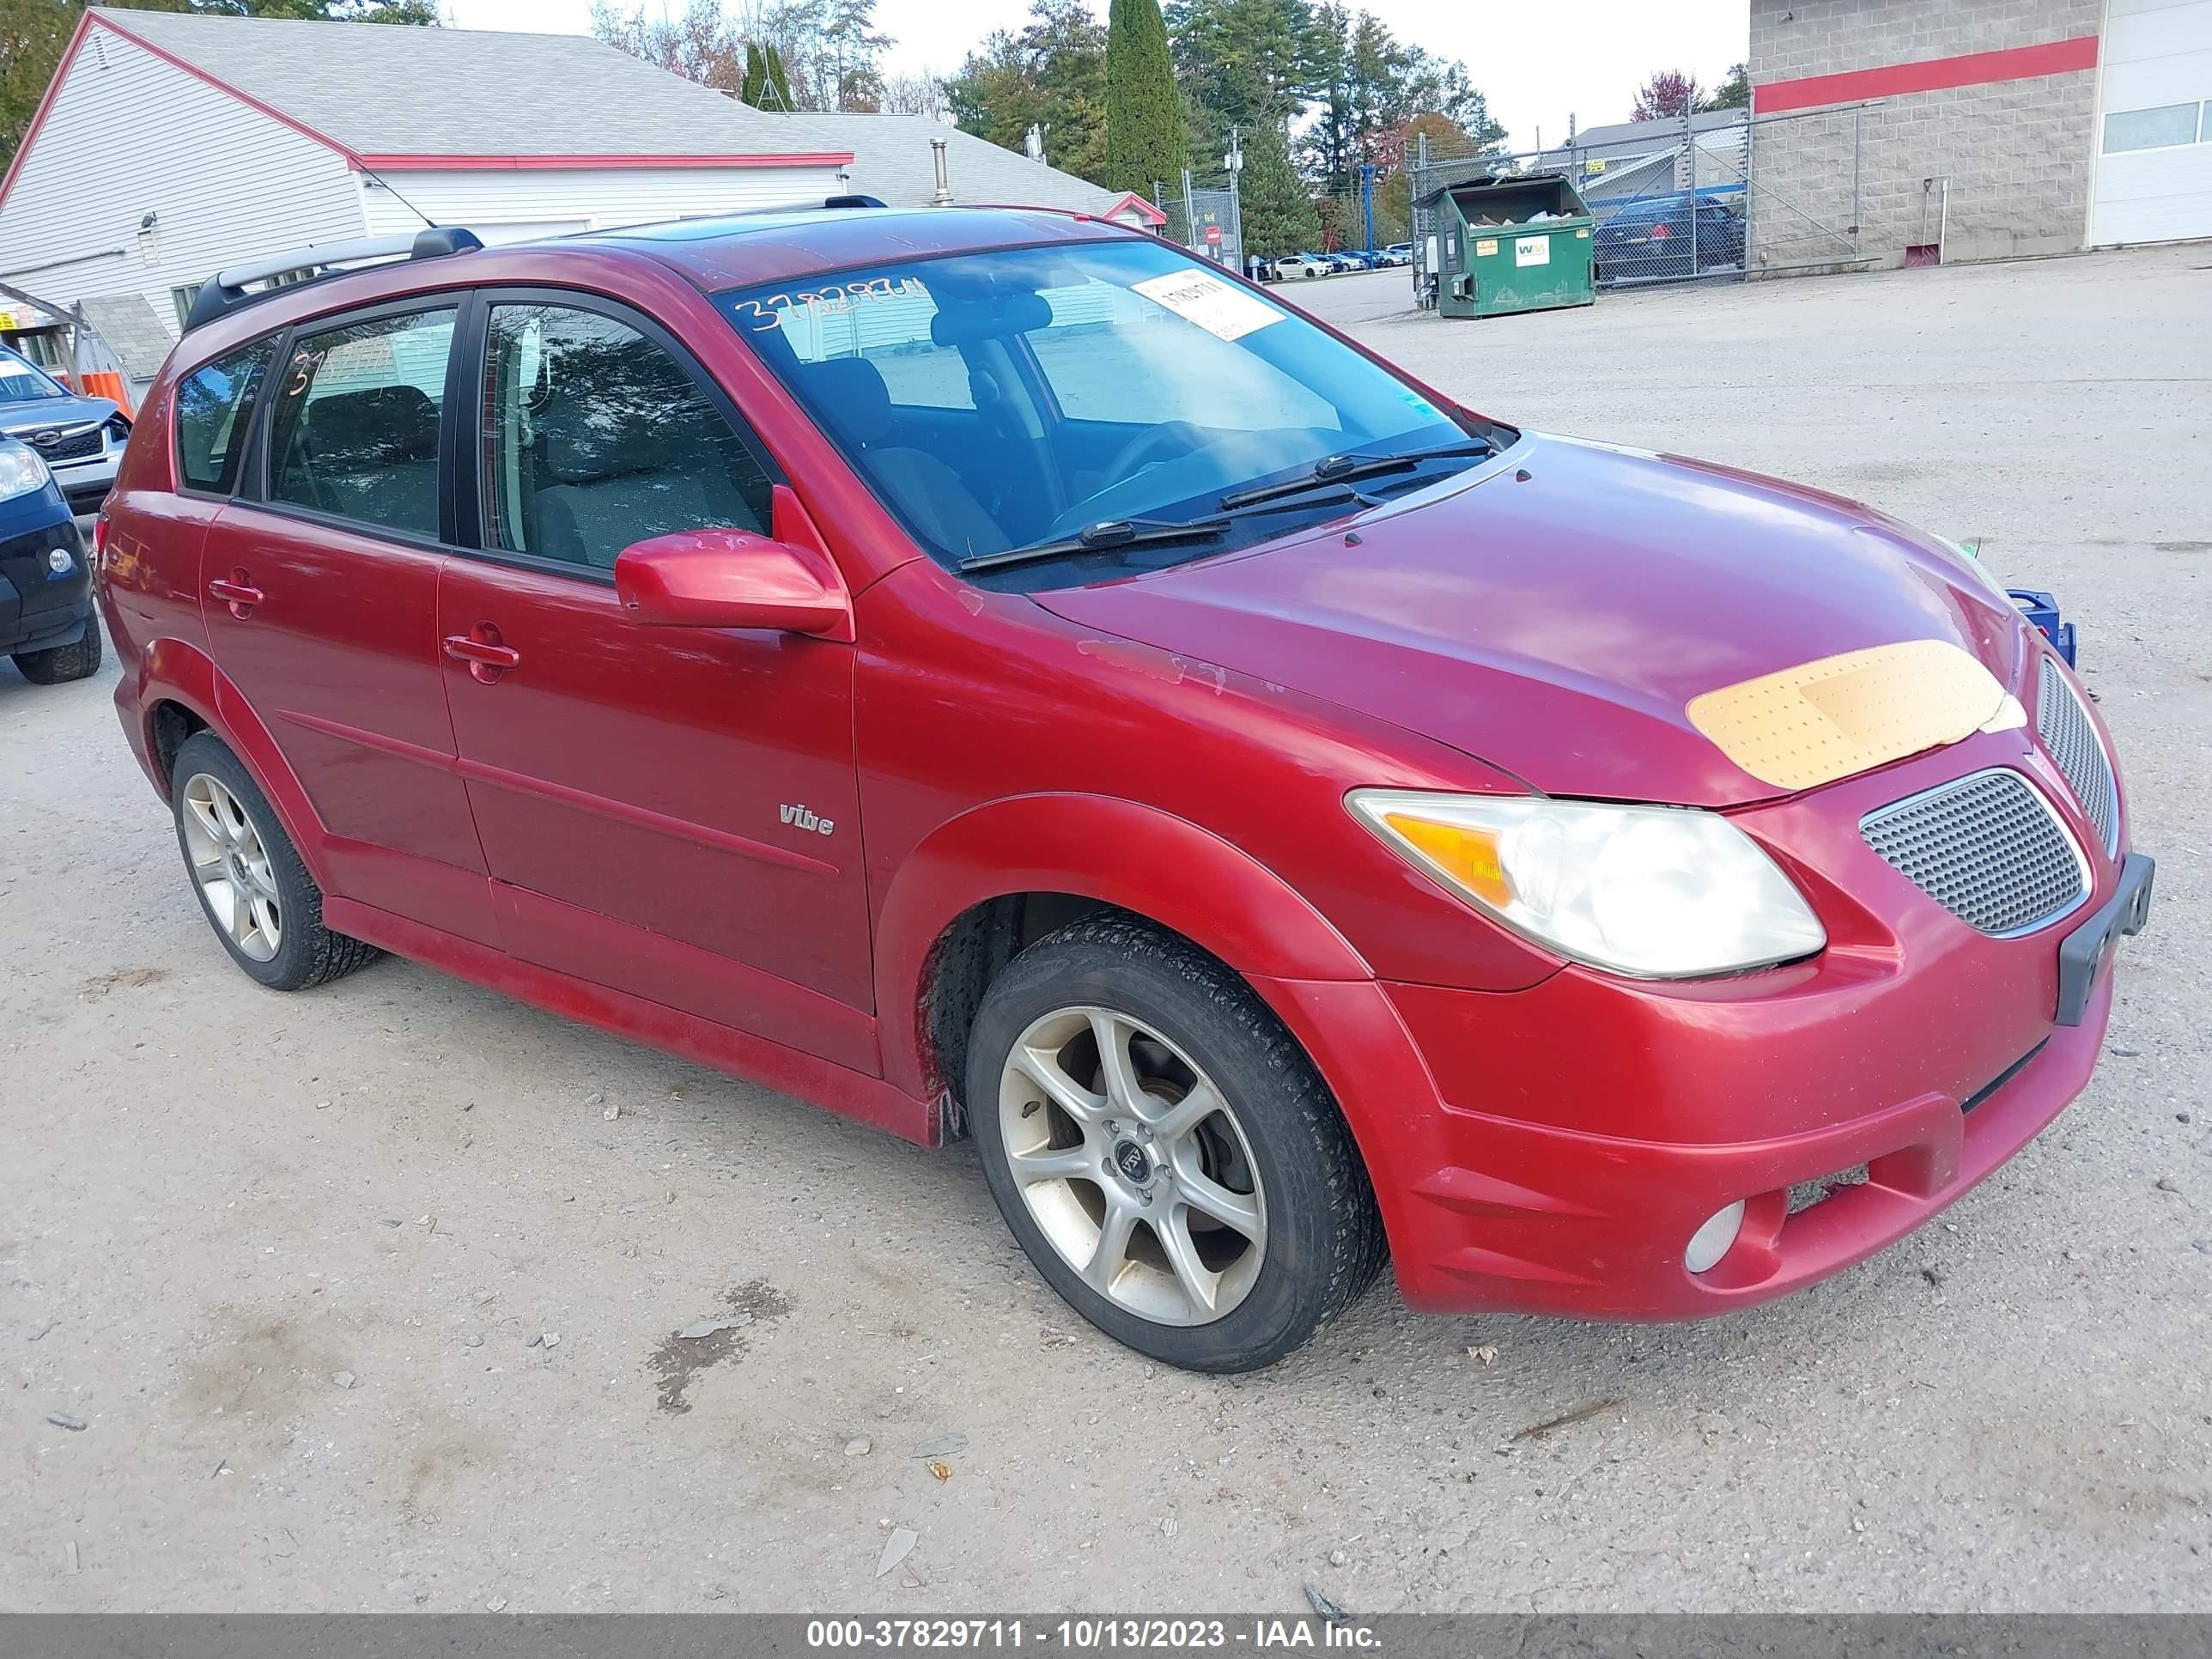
[2154,179]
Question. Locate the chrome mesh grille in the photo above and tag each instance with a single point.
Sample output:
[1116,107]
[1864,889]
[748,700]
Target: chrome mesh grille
[2066,733]
[1988,848]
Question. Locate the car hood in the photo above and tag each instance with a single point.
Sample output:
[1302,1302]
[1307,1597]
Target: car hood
[1553,614]
[51,414]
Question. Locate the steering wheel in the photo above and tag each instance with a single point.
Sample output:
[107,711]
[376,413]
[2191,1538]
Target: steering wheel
[1181,436]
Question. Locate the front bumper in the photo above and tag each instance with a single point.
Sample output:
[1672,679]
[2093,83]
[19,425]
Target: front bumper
[40,607]
[87,483]
[1554,1149]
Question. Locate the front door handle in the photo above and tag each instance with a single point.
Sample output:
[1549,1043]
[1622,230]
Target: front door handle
[481,647]
[236,592]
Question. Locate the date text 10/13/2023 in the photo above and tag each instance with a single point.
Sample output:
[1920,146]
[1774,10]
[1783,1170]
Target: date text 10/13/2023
[1089,1635]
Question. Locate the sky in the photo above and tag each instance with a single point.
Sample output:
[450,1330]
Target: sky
[1537,64]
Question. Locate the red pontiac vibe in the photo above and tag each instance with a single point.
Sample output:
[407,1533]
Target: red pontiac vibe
[988,673]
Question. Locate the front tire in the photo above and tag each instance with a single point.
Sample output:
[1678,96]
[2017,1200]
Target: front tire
[1163,1151]
[59,664]
[256,893]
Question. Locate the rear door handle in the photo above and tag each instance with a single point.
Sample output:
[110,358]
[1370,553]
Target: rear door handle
[487,658]
[233,590]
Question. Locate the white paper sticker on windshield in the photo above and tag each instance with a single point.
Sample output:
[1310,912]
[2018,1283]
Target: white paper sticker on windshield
[1212,303]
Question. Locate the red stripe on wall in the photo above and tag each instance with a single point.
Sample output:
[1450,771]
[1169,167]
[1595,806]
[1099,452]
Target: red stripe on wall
[1973,69]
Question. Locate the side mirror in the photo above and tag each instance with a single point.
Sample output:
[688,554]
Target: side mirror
[733,579]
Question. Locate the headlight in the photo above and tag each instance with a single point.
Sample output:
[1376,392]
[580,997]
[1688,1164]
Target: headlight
[1660,892]
[22,471]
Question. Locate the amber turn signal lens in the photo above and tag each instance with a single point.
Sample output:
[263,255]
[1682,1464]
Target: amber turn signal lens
[1468,855]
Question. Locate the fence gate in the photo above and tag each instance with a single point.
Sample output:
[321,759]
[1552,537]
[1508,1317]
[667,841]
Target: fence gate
[1203,215]
[1808,197]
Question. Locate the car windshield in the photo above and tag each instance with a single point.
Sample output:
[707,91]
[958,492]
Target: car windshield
[20,383]
[1056,414]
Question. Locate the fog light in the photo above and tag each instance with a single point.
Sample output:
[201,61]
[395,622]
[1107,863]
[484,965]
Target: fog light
[59,560]
[1710,1242]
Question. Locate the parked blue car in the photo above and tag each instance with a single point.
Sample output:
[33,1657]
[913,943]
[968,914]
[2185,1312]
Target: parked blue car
[46,623]
[1651,237]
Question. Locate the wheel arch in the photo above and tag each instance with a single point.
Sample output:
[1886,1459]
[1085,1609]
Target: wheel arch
[181,692]
[982,885]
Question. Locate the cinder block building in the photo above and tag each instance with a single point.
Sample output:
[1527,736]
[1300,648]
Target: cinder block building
[1897,132]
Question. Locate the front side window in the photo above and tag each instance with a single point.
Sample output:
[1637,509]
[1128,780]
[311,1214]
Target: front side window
[1013,399]
[215,407]
[595,438]
[354,431]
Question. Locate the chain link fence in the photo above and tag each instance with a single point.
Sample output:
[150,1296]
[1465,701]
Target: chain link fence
[1203,215]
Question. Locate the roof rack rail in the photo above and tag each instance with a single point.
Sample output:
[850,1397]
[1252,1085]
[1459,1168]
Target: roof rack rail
[225,292]
[801,206]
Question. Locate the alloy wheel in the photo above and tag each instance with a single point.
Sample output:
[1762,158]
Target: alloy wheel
[231,864]
[1133,1164]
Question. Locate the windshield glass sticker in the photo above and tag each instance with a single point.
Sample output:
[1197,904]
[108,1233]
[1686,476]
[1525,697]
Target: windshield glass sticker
[767,311]
[1227,313]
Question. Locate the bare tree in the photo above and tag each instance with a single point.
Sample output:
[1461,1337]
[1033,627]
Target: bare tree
[704,44]
[919,93]
[831,50]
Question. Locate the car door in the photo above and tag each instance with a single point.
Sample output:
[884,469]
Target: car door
[319,588]
[671,813]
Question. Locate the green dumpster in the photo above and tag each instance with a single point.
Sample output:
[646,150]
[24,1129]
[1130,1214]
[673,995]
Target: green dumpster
[1516,243]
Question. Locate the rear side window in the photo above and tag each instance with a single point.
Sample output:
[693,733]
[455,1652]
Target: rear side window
[595,438]
[354,431]
[215,408]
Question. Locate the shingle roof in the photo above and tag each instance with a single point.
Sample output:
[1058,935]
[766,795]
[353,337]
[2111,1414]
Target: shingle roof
[892,160]
[1625,138]
[132,330]
[400,91]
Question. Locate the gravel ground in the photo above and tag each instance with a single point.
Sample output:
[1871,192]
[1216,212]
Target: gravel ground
[276,1274]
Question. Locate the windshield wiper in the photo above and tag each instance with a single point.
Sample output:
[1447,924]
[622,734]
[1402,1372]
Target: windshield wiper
[1105,537]
[1344,468]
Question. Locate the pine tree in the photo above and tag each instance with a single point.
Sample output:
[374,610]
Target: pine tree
[1144,113]
[1280,217]
[767,86]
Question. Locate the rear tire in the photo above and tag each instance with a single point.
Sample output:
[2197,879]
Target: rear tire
[62,663]
[1204,1205]
[256,893]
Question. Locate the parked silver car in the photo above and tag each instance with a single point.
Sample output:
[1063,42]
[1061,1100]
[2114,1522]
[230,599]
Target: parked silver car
[81,440]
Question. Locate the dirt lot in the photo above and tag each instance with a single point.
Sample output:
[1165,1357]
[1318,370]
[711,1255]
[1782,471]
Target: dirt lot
[291,1262]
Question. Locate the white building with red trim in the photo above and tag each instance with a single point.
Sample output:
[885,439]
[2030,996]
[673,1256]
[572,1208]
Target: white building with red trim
[171,145]
[1946,130]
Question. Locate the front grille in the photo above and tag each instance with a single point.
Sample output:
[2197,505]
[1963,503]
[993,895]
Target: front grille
[74,447]
[2072,740]
[1989,848]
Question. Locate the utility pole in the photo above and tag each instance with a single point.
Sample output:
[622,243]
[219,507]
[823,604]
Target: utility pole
[1191,238]
[1235,162]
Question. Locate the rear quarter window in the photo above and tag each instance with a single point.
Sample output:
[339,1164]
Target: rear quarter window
[215,410]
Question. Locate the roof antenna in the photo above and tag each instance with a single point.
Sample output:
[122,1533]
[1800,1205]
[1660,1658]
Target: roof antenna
[402,200]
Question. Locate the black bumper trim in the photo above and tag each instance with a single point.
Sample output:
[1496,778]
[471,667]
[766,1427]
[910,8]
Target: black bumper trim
[2083,952]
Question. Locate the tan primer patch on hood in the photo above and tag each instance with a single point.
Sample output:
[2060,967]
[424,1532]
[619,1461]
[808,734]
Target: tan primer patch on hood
[1822,721]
